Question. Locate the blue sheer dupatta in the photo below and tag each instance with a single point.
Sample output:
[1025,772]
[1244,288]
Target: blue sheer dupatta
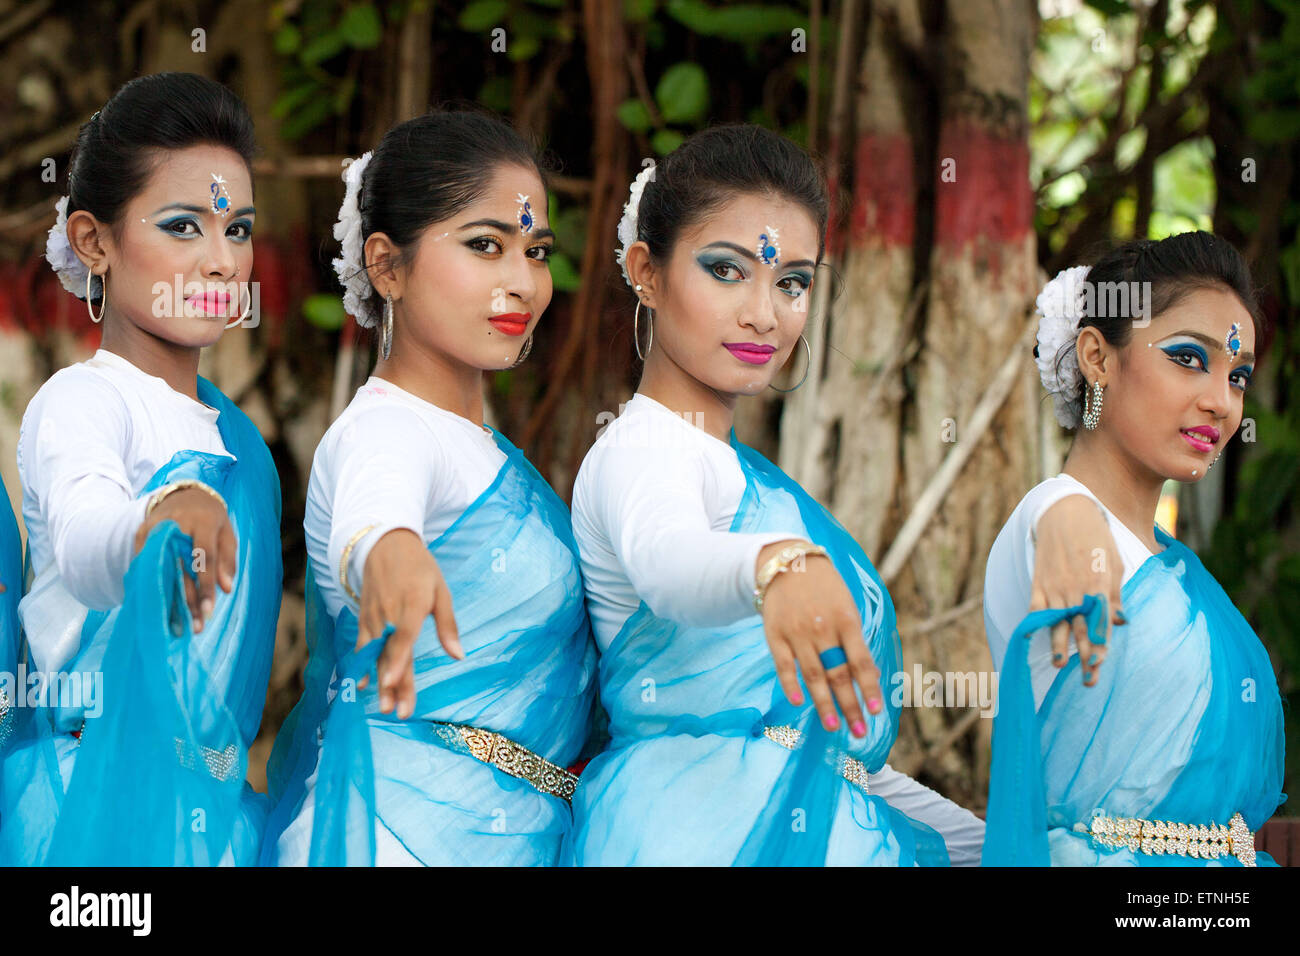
[1184,725]
[691,777]
[158,775]
[512,568]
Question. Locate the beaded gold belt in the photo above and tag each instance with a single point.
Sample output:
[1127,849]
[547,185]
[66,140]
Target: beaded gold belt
[1157,837]
[509,757]
[851,769]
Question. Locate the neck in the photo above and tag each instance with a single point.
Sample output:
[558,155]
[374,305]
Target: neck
[1128,489]
[671,386]
[435,377]
[177,365]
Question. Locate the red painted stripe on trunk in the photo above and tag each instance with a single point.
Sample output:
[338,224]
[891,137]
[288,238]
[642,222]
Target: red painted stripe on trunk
[884,191]
[991,197]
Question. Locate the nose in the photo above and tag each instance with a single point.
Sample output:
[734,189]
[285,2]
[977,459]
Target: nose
[1218,396]
[760,311]
[218,257]
[521,279]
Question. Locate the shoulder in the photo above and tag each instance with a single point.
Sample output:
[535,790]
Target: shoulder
[80,401]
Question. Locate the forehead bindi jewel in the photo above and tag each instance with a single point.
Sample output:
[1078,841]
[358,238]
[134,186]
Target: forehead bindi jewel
[769,250]
[220,196]
[1232,344]
[525,214]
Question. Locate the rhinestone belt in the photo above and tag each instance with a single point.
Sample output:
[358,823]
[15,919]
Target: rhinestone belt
[6,717]
[509,757]
[851,769]
[1157,837]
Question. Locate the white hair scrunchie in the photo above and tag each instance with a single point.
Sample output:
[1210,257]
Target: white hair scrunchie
[1060,310]
[72,272]
[628,224]
[349,267]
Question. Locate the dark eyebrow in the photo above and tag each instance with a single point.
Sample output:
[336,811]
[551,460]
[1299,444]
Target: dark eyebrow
[1212,345]
[200,210]
[749,254]
[506,227]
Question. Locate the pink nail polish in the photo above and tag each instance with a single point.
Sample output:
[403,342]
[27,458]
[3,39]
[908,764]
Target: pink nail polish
[873,705]
[832,722]
[859,729]
[797,700]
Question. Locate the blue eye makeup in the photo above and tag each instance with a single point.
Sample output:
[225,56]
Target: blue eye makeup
[244,227]
[1185,353]
[800,283]
[1240,377]
[175,226]
[721,266]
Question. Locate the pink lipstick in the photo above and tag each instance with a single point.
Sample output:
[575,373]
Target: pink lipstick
[1202,437]
[750,352]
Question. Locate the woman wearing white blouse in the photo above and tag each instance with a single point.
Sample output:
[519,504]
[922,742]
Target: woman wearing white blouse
[1173,754]
[423,518]
[146,491]
[685,533]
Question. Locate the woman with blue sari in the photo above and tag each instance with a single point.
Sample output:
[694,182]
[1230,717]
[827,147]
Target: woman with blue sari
[722,595]
[1171,754]
[152,509]
[449,679]
[11,589]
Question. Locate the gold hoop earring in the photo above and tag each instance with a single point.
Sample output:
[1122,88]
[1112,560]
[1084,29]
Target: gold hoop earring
[103,304]
[1092,410]
[807,365]
[528,347]
[239,320]
[636,330]
[386,338]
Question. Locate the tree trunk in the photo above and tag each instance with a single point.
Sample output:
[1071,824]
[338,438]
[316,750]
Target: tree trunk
[939,269]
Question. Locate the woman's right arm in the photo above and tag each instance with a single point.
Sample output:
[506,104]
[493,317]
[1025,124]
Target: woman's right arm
[651,503]
[385,468]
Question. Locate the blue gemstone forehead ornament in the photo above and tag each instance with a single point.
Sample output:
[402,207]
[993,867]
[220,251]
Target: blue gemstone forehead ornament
[221,204]
[525,214]
[1232,344]
[769,249]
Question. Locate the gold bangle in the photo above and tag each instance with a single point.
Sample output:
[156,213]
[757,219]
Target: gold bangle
[156,498]
[343,561]
[779,563]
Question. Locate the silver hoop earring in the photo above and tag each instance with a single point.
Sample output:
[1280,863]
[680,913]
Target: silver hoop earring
[103,304]
[528,347]
[807,365]
[1092,409]
[386,336]
[248,311]
[636,330]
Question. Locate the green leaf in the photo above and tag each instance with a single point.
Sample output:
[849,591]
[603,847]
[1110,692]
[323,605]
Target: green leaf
[523,48]
[287,40]
[638,11]
[303,121]
[664,141]
[482,14]
[683,93]
[290,100]
[323,47]
[361,26]
[495,93]
[564,276]
[634,115]
[324,311]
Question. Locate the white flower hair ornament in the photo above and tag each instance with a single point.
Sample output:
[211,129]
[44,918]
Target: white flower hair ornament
[72,272]
[627,226]
[1060,310]
[349,267]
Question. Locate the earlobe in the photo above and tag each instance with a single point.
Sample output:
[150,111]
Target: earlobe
[641,270]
